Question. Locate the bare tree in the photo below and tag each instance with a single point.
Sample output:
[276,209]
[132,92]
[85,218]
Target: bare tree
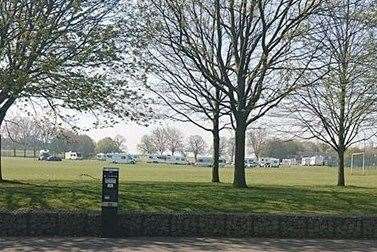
[196,145]
[343,103]
[248,50]
[257,140]
[174,139]
[230,148]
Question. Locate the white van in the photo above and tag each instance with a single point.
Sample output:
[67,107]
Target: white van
[305,161]
[72,155]
[120,158]
[317,161]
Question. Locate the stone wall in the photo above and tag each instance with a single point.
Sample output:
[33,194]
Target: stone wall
[28,223]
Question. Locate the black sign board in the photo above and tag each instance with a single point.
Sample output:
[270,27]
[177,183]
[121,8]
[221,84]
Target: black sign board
[110,180]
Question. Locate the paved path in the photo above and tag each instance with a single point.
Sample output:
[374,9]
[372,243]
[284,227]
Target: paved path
[182,244]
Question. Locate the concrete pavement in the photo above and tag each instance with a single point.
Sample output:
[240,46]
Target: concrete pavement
[183,244]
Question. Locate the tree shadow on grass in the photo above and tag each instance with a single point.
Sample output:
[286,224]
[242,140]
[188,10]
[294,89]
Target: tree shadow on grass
[191,197]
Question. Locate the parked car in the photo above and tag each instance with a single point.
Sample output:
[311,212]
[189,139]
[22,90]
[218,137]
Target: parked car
[251,162]
[54,158]
[44,154]
[269,162]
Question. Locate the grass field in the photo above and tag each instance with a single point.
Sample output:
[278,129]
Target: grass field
[75,185]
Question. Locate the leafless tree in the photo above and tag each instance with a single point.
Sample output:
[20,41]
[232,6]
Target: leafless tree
[196,145]
[248,50]
[174,139]
[336,109]
[257,140]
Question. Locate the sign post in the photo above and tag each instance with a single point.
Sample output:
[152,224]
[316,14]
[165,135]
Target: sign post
[110,180]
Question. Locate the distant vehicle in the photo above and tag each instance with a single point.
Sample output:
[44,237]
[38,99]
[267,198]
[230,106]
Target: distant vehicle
[305,161]
[54,158]
[269,162]
[208,161]
[120,158]
[101,156]
[167,159]
[251,162]
[157,159]
[176,160]
[44,154]
[72,155]
[317,161]
[289,161]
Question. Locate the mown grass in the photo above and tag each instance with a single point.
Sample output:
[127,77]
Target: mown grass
[75,185]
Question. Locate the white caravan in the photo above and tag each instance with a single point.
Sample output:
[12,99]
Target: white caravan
[121,158]
[72,155]
[208,161]
[289,161]
[167,159]
[251,162]
[176,160]
[269,162]
[305,161]
[317,161]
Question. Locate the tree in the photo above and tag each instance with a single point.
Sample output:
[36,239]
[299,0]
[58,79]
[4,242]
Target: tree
[230,148]
[343,103]
[146,146]
[248,50]
[107,145]
[160,140]
[121,142]
[257,139]
[174,139]
[196,145]
[71,63]
[84,145]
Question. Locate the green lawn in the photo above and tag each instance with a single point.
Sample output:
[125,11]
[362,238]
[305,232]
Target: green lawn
[76,185]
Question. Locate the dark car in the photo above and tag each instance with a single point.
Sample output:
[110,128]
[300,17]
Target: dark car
[53,158]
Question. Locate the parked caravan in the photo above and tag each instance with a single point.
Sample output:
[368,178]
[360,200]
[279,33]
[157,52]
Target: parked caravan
[121,158]
[305,161]
[208,161]
[157,159]
[251,162]
[176,160]
[72,155]
[289,161]
[317,161]
[269,162]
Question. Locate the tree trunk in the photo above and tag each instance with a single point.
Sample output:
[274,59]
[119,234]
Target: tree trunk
[341,178]
[14,152]
[196,157]
[35,153]
[239,162]
[24,152]
[216,156]
[1,173]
